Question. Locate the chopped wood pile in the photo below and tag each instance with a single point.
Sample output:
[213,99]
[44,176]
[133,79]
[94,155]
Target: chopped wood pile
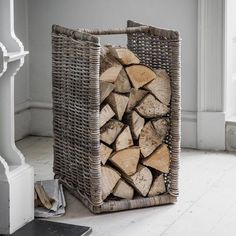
[134,111]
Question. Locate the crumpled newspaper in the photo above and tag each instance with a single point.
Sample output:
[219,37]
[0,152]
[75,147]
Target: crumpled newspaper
[49,199]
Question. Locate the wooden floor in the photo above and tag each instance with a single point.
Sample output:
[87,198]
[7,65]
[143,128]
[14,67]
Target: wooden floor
[206,206]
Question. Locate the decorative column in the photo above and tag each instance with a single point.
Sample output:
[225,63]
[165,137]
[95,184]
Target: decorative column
[211,75]
[16,177]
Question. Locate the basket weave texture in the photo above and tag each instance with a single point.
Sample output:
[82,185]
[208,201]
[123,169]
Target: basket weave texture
[75,75]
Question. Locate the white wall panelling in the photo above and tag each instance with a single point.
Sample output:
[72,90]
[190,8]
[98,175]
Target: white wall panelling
[211,75]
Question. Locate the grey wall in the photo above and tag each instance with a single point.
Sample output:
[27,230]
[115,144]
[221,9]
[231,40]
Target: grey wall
[180,15]
[22,91]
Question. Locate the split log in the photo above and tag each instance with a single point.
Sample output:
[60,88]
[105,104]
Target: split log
[110,177]
[110,131]
[124,55]
[111,74]
[105,90]
[118,104]
[136,95]
[43,196]
[126,160]
[148,140]
[141,180]
[108,61]
[161,126]
[136,123]
[106,114]
[124,140]
[158,186]
[123,190]
[105,153]
[159,160]
[140,75]
[150,107]
[122,84]
[160,87]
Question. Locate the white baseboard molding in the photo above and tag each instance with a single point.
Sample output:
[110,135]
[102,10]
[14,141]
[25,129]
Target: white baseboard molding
[211,131]
[41,122]
[189,129]
[230,135]
[27,121]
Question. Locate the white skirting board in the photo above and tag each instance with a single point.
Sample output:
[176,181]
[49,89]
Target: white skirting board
[41,123]
[189,129]
[211,131]
[230,132]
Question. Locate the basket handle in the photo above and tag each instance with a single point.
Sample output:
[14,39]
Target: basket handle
[169,34]
[128,30]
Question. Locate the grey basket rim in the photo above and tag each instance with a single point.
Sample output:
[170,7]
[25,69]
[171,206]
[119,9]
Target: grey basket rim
[165,33]
[75,34]
[92,34]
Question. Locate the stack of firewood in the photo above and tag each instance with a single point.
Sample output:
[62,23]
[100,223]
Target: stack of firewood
[134,124]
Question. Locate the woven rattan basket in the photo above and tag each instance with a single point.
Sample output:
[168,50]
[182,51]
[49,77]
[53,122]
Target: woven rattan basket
[75,74]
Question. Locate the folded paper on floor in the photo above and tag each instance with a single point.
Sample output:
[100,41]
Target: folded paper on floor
[49,199]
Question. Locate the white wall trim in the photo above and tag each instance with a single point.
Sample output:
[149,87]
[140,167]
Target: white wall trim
[22,107]
[41,105]
[33,118]
[211,75]
[186,115]
[189,129]
[41,121]
[189,116]
[27,105]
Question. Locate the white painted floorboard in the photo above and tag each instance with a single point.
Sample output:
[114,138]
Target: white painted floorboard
[206,206]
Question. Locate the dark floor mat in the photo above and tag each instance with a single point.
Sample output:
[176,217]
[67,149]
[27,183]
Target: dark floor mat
[47,228]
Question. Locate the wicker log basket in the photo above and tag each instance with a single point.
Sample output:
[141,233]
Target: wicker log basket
[75,74]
